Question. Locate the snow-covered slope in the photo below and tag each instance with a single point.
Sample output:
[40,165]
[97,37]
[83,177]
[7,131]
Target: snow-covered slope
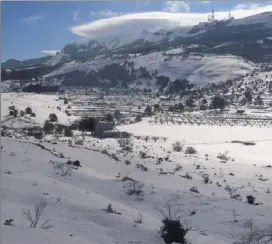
[75,203]
[199,69]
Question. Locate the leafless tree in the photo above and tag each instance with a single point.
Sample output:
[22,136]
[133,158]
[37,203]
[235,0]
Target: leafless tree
[34,216]
[254,234]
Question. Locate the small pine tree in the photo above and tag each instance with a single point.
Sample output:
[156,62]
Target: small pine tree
[173,231]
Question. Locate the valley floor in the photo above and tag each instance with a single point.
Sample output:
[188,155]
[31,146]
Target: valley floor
[75,202]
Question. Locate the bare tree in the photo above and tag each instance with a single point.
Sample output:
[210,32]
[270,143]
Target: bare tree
[34,217]
[254,234]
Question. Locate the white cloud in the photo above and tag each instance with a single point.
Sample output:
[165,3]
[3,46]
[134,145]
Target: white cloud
[136,22]
[32,19]
[246,6]
[50,52]
[106,13]
[75,16]
[176,6]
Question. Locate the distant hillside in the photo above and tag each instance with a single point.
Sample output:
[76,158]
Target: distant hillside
[210,52]
[17,64]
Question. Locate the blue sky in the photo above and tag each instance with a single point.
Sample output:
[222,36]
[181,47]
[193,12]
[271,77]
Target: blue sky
[28,28]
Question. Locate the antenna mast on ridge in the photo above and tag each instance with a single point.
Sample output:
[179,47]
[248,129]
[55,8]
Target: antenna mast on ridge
[212,17]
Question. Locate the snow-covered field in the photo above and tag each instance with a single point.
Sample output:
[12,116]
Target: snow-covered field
[42,106]
[75,202]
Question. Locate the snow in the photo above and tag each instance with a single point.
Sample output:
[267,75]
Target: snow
[75,202]
[197,69]
[263,18]
[42,105]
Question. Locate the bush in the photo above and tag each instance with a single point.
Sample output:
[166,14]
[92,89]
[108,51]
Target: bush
[15,113]
[87,124]
[134,188]
[48,127]
[11,112]
[109,118]
[177,146]
[190,150]
[75,163]
[68,132]
[206,178]
[138,118]
[250,199]
[233,193]
[223,156]
[28,110]
[148,111]
[53,118]
[187,176]
[218,102]
[33,115]
[34,217]
[194,189]
[9,222]
[22,113]
[173,231]
[63,169]
[126,144]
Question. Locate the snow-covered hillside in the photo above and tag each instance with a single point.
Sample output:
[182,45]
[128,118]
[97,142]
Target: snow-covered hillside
[75,202]
[199,69]
[41,105]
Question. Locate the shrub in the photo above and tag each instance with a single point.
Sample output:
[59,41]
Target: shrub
[53,118]
[127,162]
[34,217]
[109,117]
[15,113]
[206,178]
[138,219]
[223,156]
[9,222]
[87,124]
[126,144]
[65,101]
[22,113]
[28,110]
[187,176]
[134,188]
[178,167]
[148,111]
[190,150]
[250,199]
[177,146]
[173,231]
[48,127]
[155,138]
[218,102]
[138,118]
[63,169]
[68,132]
[109,209]
[74,163]
[194,189]
[233,193]
[33,115]
[254,234]
[11,112]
